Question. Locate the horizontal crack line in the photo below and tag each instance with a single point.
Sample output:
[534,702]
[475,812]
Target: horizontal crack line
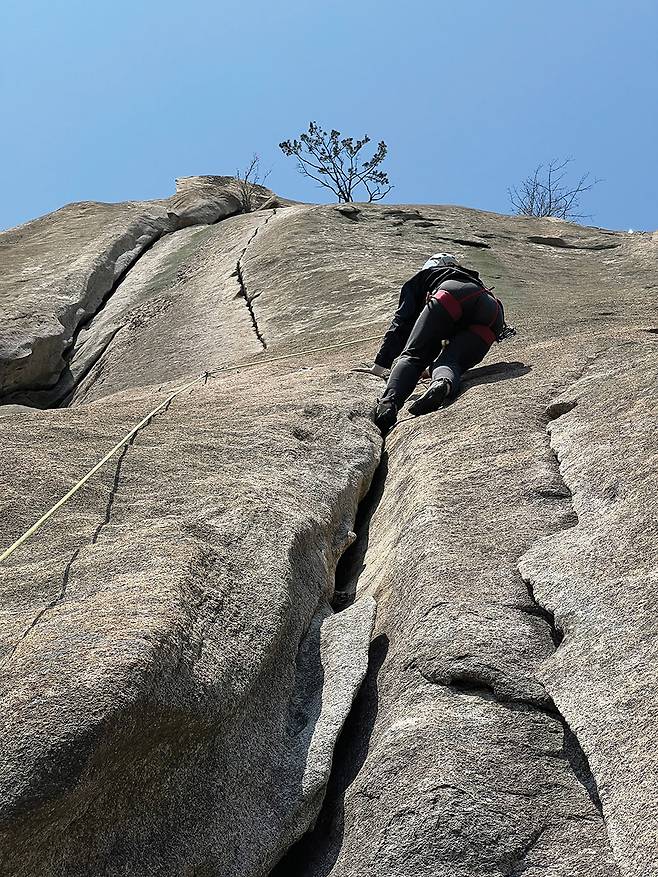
[471,685]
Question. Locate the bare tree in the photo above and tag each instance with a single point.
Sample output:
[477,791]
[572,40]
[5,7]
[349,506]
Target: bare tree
[545,192]
[248,180]
[334,162]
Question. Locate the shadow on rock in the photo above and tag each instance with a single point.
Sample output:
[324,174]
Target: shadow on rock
[497,371]
[315,854]
[485,374]
[351,564]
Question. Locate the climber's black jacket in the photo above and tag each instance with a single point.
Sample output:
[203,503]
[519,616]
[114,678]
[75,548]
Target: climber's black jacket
[413,298]
[458,309]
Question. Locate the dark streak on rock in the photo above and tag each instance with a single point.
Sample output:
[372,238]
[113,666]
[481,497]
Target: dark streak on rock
[561,244]
[557,409]
[350,566]
[478,244]
[404,215]
[557,634]
[317,851]
[468,684]
[571,746]
[349,211]
[60,396]
[65,400]
[113,492]
[580,765]
[517,866]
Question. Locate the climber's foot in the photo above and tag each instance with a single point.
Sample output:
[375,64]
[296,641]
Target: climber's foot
[432,399]
[385,414]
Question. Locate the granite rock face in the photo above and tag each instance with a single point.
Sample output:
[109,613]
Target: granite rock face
[173,677]
[175,680]
[58,270]
[599,579]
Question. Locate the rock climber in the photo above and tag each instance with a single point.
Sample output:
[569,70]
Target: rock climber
[444,301]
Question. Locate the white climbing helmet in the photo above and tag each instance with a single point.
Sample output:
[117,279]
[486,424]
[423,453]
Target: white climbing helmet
[441,260]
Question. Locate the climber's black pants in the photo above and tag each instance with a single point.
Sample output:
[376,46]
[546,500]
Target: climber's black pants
[468,328]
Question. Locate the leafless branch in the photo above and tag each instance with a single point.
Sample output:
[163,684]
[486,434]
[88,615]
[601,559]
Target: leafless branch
[248,180]
[545,192]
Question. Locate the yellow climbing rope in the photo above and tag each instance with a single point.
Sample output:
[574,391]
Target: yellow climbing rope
[202,377]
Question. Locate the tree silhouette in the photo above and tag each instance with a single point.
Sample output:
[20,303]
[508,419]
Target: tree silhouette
[333,162]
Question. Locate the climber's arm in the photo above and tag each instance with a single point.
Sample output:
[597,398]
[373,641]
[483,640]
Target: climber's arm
[412,301]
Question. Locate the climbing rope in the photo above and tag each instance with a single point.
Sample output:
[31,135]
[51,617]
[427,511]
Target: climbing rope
[202,377]
[268,359]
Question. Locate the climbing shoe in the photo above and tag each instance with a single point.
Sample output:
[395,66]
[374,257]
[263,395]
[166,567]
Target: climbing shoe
[385,414]
[432,399]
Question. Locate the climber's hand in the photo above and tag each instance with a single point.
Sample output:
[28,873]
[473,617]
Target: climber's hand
[374,369]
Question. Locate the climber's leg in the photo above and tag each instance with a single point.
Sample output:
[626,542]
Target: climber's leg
[434,324]
[466,349]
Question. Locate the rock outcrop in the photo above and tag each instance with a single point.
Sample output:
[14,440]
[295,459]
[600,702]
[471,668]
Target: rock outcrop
[174,678]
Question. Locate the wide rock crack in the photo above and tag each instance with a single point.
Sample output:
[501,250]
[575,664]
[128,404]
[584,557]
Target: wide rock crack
[352,745]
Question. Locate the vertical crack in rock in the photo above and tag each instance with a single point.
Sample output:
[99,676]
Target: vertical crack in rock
[572,749]
[58,395]
[115,489]
[51,605]
[248,302]
[90,364]
[59,390]
[88,319]
[351,564]
[243,293]
[85,324]
[312,853]
[317,851]
[535,608]
[580,765]
[55,601]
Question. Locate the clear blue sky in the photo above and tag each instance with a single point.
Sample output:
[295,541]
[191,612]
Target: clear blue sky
[112,100]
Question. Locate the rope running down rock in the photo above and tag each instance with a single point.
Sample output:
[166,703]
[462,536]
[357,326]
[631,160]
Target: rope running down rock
[202,377]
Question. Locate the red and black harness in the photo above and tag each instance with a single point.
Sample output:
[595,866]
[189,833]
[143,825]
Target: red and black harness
[454,306]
